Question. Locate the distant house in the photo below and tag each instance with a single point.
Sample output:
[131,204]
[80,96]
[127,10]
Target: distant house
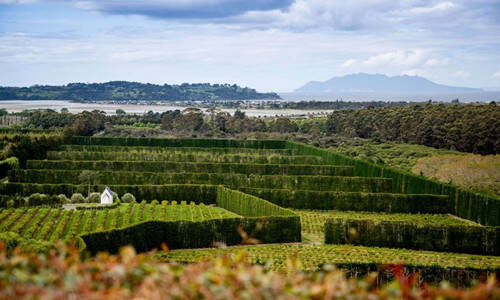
[107,196]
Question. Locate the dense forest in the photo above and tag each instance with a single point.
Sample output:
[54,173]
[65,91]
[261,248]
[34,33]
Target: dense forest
[133,91]
[468,128]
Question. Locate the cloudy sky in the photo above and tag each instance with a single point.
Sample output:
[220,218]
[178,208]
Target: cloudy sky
[271,45]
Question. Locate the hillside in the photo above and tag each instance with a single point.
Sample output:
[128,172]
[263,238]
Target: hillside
[133,91]
[379,83]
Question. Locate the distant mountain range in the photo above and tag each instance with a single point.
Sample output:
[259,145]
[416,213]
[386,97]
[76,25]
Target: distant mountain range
[379,83]
[133,91]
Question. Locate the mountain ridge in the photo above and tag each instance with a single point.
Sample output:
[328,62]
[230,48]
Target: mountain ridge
[380,83]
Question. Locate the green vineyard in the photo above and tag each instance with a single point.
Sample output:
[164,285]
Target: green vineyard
[323,207]
[61,224]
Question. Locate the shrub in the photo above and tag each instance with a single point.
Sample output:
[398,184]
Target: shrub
[128,198]
[77,198]
[63,199]
[37,199]
[94,198]
[155,202]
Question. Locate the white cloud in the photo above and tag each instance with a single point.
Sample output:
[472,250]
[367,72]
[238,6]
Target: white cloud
[497,74]
[349,63]
[460,74]
[438,7]
[398,58]
[435,62]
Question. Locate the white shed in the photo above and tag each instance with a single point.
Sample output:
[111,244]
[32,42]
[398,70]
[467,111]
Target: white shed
[107,196]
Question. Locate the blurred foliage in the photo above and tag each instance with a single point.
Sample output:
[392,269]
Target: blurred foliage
[63,274]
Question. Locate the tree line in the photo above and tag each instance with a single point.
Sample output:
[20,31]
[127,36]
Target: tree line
[464,127]
[124,90]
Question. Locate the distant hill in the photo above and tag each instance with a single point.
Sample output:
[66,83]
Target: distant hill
[379,83]
[135,91]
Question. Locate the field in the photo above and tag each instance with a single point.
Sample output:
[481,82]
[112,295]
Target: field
[317,205]
[471,171]
[61,224]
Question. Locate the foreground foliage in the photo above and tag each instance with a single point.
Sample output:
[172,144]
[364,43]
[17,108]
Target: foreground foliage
[63,275]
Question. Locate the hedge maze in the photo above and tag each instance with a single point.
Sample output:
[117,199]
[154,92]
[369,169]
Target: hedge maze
[199,193]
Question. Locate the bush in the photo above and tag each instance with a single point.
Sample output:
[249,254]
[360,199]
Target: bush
[128,198]
[77,198]
[63,199]
[94,198]
[38,199]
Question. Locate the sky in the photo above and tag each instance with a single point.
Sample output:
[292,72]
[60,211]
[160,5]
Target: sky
[270,45]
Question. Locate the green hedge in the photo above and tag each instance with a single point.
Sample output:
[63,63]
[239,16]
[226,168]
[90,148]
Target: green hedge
[322,183]
[165,150]
[354,201]
[186,234]
[186,157]
[181,192]
[8,164]
[398,234]
[463,203]
[248,205]
[180,167]
[155,142]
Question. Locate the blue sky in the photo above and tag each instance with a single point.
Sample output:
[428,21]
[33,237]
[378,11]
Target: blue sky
[271,45]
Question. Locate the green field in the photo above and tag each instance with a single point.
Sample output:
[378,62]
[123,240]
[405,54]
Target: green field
[66,224]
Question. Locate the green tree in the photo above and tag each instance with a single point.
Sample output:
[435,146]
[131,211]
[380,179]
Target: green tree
[89,177]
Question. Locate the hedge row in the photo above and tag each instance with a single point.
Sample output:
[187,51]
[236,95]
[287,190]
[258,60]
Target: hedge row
[181,192]
[186,157]
[186,234]
[248,205]
[353,201]
[180,167]
[399,234]
[155,142]
[321,183]
[165,150]
[463,203]
[8,164]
